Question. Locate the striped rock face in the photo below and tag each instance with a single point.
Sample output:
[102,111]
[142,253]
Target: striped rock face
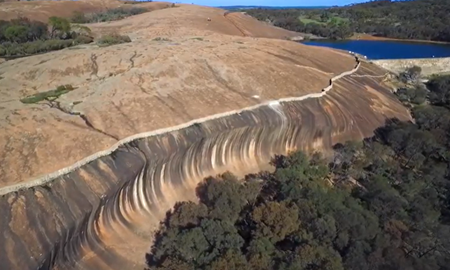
[83,185]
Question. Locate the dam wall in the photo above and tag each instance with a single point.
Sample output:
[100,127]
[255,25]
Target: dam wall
[102,212]
[429,65]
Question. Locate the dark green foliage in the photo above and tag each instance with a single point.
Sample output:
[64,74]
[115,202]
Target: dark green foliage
[415,95]
[83,39]
[112,39]
[48,95]
[59,27]
[8,49]
[440,91]
[420,19]
[107,15]
[16,33]
[411,75]
[380,204]
[22,30]
[22,37]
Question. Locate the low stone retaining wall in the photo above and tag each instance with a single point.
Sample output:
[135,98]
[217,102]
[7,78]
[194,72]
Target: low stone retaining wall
[429,65]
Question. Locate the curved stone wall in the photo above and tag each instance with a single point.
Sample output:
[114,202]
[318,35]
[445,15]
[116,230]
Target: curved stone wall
[101,213]
[429,65]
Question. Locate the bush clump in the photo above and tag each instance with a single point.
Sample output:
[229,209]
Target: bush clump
[83,39]
[440,91]
[48,95]
[106,16]
[414,95]
[22,37]
[112,39]
[9,49]
[411,75]
[22,30]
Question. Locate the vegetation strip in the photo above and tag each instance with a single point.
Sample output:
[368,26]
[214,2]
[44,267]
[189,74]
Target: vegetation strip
[112,14]
[22,37]
[47,95]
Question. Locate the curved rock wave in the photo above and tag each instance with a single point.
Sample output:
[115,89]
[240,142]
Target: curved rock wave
[103,214]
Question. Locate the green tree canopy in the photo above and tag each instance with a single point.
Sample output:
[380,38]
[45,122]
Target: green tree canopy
[16,33]
[59,26]
[419,19]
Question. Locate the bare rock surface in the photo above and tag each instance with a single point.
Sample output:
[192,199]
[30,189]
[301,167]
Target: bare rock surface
[176,69]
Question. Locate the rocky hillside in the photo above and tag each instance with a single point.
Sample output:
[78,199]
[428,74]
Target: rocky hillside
[83,176]
[154,82]
[42,10]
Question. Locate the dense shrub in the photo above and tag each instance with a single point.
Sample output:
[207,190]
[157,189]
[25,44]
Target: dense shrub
[48,95]
[60,27]
[440,91]
[34,47]
[16,33]
[22,37]
[112,39]
[22,30]
[411,74]
[108,15]
[415,95]
[83,39]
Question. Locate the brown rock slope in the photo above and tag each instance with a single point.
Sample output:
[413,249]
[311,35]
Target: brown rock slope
[192,73]
[180,68]
[42,10]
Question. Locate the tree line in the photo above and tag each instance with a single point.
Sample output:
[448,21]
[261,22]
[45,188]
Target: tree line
[112,14]
[419,19]
[382,203]
[21,37]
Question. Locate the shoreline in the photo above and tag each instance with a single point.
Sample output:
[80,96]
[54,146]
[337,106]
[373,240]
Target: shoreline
[375,38]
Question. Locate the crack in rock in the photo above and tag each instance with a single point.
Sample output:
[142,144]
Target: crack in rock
[57,105]
[132,60]
[94,65]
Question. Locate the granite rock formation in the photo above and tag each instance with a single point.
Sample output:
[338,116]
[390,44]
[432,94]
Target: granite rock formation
[84,185]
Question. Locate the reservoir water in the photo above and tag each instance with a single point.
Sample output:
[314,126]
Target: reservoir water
[387,49]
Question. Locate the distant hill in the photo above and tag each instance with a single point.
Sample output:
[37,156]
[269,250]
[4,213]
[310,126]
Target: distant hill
[270,7]
[420,19]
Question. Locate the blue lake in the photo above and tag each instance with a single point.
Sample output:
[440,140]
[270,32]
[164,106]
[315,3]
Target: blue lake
[387,49]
